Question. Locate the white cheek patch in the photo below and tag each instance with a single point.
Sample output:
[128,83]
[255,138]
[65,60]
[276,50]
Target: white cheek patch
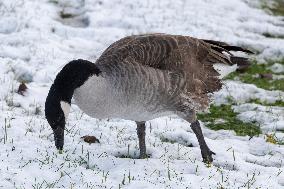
[65,108]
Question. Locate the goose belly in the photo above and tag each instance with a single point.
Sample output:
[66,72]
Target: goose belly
[100,98]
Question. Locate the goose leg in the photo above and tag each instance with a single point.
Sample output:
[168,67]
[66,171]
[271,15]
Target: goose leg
[141,136]
[205,151]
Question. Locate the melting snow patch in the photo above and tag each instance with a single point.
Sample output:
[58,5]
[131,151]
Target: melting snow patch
[240,93]
[34,48]
[277,68]
[269,118]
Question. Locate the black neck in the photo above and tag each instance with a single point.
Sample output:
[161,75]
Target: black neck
[72,76]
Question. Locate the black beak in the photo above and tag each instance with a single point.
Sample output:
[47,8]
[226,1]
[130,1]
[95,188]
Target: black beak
[59,137]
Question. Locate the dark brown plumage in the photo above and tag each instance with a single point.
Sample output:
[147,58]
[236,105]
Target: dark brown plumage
[185,55]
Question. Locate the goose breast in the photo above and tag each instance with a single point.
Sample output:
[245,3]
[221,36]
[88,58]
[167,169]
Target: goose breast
[129,92]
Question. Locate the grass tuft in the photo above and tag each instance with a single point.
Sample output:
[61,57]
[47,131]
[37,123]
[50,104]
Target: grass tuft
[271,138]
[276,103]
[276,7]
[229,121]
[66,15]
[251,75]
[270,35]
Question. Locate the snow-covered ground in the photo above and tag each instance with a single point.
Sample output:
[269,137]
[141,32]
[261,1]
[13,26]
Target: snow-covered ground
[38,37]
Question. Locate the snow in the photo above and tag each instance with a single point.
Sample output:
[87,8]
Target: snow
[238,92]
[36,43]
[224,70]
[277,68]
[268,117]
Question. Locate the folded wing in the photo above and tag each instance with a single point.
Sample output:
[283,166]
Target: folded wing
[185,56]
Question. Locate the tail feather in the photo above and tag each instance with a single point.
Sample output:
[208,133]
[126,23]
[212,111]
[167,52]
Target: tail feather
[217,43]
[221,47]
[224,62]
[226,47]
[236,48]
[240,60]
[243,63]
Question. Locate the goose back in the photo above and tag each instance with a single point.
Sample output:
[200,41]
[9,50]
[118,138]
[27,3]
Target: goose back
[186,58]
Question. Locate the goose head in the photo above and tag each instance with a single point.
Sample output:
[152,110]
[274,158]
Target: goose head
[58,101]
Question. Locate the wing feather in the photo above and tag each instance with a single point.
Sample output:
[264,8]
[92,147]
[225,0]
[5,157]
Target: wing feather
[192,57]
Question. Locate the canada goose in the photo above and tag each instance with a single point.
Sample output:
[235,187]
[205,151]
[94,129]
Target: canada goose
[140,78]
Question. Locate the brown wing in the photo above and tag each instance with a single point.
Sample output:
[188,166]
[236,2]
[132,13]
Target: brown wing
[189,56]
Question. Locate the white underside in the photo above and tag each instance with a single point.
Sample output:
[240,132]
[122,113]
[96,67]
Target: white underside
[99,99]
[224,70]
